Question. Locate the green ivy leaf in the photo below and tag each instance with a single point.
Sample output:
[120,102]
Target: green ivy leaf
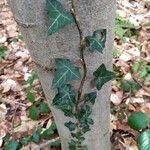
[78,135]
[2,51]
[47,133]
[36,137]
[84,119]
[30,96]
[70,125]
[138,120]
[53,126]
[44,107]
[50,131]
[97,41]
[102,76]
[122,27]
[130,86]
[65,72]
[144,140]
[58,16]
[33,113]
[6,138]
[65,100]
[72,145]
[90,97]
[12,145]
[25,140]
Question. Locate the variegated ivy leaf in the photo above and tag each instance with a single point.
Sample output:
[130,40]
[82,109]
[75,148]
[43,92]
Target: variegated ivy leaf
[65,100]
[65,71]
[58,16]
[102,76]
[97,41]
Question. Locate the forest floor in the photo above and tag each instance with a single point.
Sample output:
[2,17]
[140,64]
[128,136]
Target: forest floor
[23,110]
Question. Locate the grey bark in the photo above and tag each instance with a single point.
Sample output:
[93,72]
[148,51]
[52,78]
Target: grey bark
[94,14]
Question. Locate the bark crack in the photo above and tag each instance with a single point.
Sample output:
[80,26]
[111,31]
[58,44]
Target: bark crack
[24,24]
[48,69]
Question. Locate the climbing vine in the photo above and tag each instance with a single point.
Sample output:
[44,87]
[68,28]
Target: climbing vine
[76,104]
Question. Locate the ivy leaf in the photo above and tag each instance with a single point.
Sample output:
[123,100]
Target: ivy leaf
[138,120]
[97,41]
[72,145]
[78,135]
[2,51]
[56,143]
[12,145]
[25,140]
[36,137]
[34,113]
[90,98]
[65,72]
[86,110]
[84,113]
[44,107]
[65,100]
[58,15]
[30,96]
[47,133]
[70,125]
[84,119]
[130,86]
[144,140]
[102,76]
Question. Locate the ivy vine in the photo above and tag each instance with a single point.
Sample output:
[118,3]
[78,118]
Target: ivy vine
[76,104]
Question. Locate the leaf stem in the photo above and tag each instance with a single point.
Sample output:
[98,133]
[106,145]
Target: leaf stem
[82,47]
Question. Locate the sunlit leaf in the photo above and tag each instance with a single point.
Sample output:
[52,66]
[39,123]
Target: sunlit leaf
[138,120]
[144,140]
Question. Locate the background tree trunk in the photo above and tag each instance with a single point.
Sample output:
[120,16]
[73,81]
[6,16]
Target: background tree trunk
[33,21]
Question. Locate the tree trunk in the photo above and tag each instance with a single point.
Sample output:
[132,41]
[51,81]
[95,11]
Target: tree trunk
[33,21]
